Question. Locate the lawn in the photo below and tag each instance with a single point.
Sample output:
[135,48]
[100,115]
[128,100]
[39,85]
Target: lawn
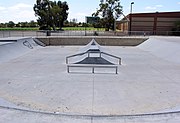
[19,29]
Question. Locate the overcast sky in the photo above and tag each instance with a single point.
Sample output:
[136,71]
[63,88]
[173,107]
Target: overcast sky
[22,10]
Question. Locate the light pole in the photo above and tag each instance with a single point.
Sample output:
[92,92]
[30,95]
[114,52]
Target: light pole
[131,7]
[130,18]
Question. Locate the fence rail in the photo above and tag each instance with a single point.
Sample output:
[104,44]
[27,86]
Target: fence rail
[5,34]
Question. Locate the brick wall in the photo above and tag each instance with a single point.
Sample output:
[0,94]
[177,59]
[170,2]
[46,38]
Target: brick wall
[153,22]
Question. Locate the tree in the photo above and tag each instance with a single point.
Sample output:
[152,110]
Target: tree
[18,24]
[11,24]
[51,14]
[3,25]
[176,29]
[110,10]
[32,23]
[64,13]
[24,24]
[99,24]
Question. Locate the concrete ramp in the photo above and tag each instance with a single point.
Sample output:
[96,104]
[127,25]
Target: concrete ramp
[11,48]
[92,46]
[93,53]
[167,48]
[92,56]
[95,60]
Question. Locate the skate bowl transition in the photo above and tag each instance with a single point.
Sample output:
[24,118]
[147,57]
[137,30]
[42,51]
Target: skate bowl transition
[36,84]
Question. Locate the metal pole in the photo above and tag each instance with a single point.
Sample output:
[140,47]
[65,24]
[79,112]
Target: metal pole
[85,29]
[88,54]
[116,70]
[114,25]
[130,18]
[66,60]
[119,61]
[85,25]
[92,69]
[68,69]
[3,34]
[131,7]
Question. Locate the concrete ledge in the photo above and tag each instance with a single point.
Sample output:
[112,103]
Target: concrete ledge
[102,40]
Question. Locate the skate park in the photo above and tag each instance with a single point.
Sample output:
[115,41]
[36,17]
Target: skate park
[35,84]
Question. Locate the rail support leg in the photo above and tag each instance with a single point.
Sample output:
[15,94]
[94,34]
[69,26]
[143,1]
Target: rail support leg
[92,69]
[66,60]
[68,69]
[116,70]
[119,61]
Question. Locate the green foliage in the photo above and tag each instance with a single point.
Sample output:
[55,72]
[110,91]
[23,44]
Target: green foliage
[11,24]
[3,25]
[32,24]
[109,10]
[176,29]
[51,14]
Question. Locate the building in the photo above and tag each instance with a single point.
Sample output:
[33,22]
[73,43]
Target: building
[153,23]
[92,20]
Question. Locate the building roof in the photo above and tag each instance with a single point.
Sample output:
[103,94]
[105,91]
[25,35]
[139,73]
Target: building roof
[159,14]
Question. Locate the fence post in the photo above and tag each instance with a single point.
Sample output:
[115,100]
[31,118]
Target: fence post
[9,34]
[3,34]
[22,33]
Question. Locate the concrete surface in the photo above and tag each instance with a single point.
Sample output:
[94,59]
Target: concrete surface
[14,47]
[163,47]
[102,40]
[39,85]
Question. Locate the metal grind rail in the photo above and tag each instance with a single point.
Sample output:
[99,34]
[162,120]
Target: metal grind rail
[88,52]
[92,67]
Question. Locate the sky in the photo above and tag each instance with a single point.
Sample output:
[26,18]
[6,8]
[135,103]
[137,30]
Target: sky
[22,10]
